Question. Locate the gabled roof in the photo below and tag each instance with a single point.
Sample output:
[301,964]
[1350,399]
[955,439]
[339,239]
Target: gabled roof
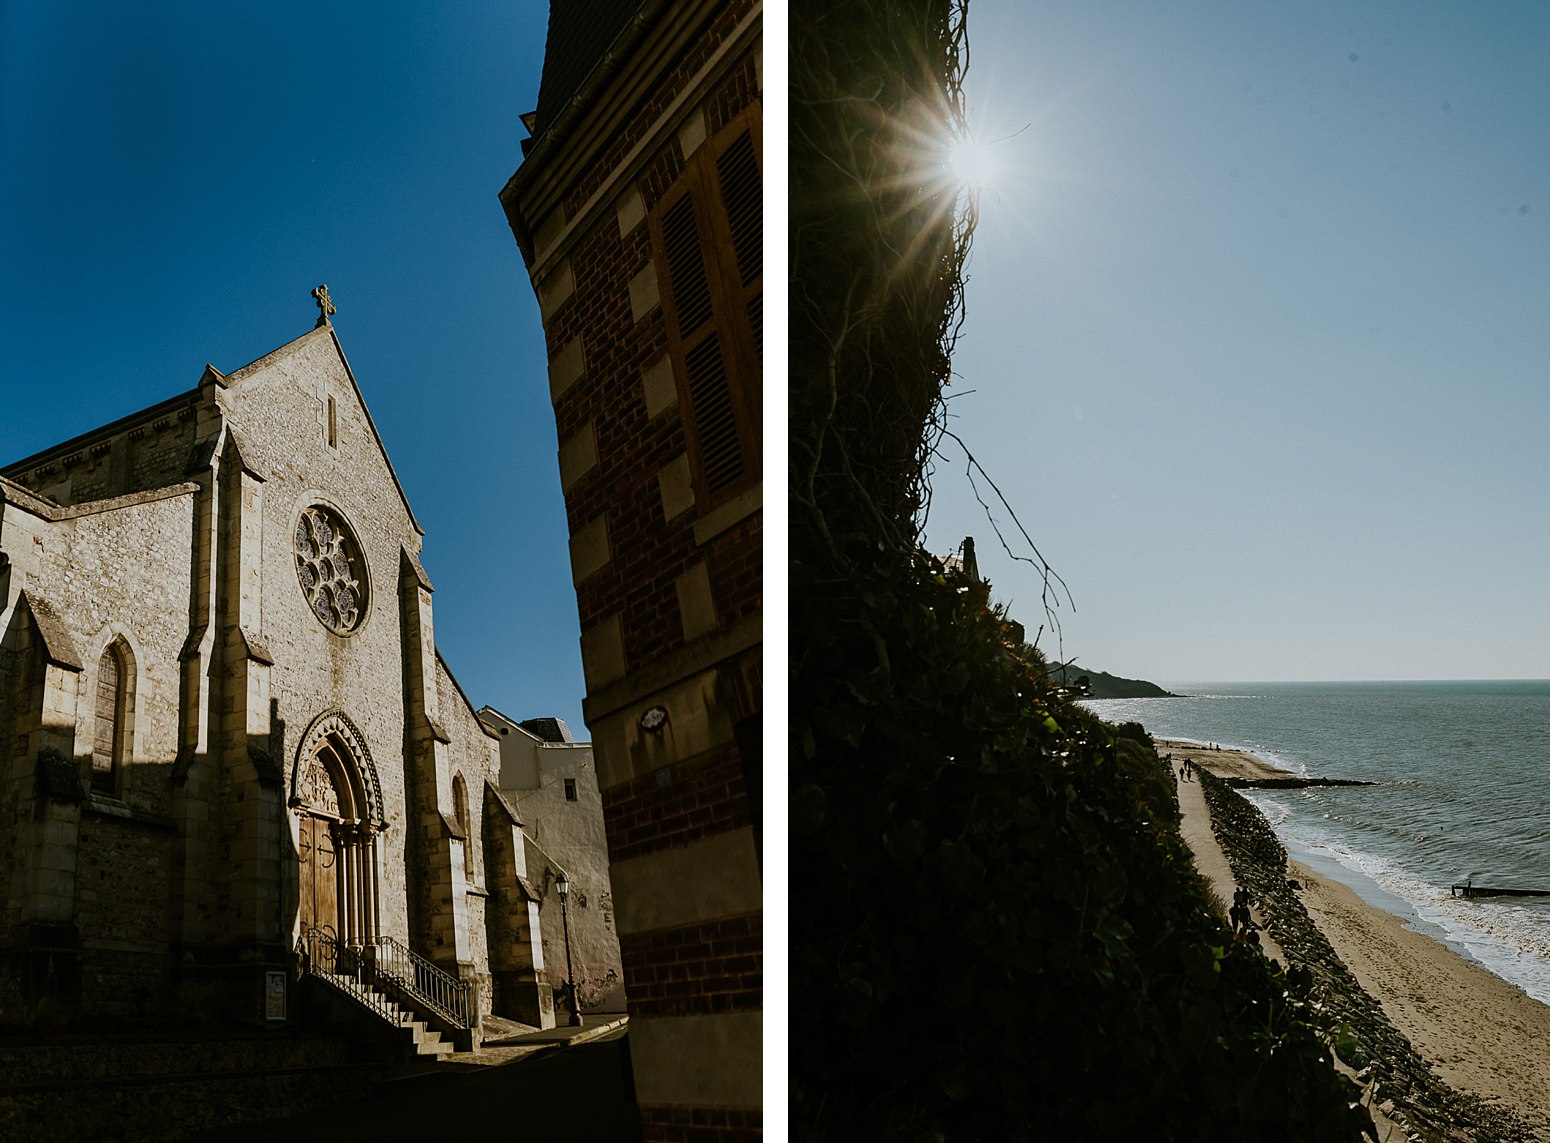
[489,714]
[213,376]
[543,730]
[232,380]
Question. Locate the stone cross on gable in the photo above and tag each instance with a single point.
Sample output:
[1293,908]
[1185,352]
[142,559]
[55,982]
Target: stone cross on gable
[325,305]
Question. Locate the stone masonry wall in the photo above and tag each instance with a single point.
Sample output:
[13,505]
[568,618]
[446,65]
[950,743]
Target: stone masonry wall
[121,573]
[122,884]
[126,573]
[116,570]
[571,834]
[198,838]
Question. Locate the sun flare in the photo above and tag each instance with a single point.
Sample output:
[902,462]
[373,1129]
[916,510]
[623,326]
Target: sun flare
[973,163]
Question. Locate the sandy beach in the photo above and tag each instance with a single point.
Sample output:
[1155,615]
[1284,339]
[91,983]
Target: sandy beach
[1480,1034]
[1222,763]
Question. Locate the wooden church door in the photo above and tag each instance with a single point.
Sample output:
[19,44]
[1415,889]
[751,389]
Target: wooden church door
[319,877]
[336,841]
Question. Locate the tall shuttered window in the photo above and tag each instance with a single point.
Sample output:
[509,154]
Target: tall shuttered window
[107,755]
[707,234]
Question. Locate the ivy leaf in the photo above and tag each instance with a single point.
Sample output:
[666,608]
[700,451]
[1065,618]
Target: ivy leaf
[1349,1048]
[905,842]
[956,1083]
[809,810]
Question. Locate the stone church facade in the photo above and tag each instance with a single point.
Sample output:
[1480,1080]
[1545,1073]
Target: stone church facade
[224,722]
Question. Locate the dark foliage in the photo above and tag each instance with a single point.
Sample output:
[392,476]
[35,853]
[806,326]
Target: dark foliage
[1136,733]
[1004,937]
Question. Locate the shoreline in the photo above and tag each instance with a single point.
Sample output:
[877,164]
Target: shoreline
[1479,1033]
[1224,763]
[1453,1043]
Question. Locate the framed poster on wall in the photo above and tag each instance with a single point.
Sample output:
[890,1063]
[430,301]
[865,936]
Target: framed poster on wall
[274,996]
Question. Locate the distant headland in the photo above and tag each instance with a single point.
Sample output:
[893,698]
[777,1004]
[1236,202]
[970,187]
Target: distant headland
[1104,685]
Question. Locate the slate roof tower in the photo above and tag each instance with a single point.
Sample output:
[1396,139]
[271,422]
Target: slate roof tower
[638,211]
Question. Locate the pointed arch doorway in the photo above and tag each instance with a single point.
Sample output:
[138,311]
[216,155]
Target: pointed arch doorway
[337,802]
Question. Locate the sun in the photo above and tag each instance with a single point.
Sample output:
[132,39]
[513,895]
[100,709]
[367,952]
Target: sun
[973,163]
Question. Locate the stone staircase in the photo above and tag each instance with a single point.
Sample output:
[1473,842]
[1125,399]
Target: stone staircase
[426,1009]
[416,1033]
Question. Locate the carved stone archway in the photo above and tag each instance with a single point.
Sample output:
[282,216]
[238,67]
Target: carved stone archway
[338,803]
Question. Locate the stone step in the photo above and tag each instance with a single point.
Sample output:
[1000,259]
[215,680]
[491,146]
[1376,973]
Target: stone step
[425,1040]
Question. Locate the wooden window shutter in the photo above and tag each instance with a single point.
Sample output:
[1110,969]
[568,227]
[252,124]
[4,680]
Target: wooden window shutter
[707,231]
[738,170]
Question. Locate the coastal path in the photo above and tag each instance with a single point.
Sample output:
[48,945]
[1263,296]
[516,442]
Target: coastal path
[1195,827]
[1209,858]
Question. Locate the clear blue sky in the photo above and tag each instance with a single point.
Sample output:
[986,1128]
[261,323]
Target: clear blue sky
[1258,337]
[178,176]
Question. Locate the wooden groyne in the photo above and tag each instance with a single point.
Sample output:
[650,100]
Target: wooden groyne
[1483,891]
[1291,783]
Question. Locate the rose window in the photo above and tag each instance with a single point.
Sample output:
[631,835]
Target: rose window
[329,566]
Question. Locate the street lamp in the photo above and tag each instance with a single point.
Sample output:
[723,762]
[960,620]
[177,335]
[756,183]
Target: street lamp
[562,886]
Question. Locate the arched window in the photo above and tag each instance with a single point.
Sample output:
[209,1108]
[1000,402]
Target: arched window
[460,804]
[107,755]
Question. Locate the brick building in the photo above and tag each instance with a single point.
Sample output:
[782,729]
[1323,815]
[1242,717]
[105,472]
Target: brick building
[224,723]
[638,211]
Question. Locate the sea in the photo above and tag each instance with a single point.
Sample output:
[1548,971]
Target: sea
[1462,773]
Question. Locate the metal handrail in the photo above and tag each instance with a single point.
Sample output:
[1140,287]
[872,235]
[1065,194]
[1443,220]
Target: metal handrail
[409,974]
[382,974]
[320,955]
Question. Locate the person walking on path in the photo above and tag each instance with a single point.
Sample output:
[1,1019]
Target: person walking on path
[1239,913]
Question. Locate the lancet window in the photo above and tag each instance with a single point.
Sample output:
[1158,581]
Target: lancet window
[460,803]
[107,758]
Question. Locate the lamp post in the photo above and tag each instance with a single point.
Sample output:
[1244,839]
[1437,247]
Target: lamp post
[562,886]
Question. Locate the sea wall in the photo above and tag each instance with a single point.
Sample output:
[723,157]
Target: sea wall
[1421,1100]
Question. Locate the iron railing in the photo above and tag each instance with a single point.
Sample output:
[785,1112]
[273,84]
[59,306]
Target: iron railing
[386,977]
[408,975]
[320,955]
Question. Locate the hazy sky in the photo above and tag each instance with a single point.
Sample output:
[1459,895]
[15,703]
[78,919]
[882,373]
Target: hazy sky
[176,177]
[1257,334]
